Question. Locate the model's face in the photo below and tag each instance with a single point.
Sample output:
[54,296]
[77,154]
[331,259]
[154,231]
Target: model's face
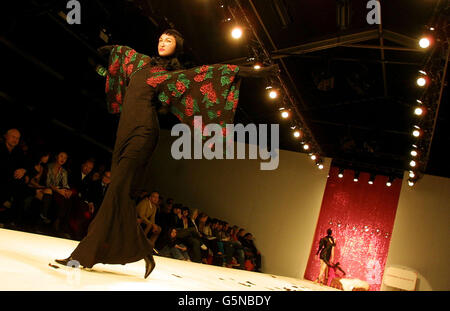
[62,158]
[167,45]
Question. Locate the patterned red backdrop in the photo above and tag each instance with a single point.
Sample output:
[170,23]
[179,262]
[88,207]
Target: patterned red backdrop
[361,217]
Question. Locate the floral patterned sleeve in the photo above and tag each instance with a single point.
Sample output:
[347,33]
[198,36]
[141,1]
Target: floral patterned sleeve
[123,62]
[210,91]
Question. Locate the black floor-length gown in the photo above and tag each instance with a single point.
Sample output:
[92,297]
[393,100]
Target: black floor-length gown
[132,86]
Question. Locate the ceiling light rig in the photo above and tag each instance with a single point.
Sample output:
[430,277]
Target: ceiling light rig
[277,90]
[431,79]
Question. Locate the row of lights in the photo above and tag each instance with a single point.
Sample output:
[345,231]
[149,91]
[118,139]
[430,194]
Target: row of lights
[371,178]
[422,81]
[273,93]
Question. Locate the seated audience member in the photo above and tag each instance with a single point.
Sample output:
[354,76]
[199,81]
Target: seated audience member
[146,211]
[57,181]
[188,235]
[93,200]
[240,235]
[96,192]
[36,174]
[251,251]
[99,173]
[80,181]
[184,222]
[231,248]
[163,219]
[13,181]
[193,220]
[173,247]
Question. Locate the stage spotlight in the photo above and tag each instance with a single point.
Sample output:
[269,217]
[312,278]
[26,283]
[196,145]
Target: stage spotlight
[273,94]
[356,178]
[422,80]
[414,153]
[257,66]
[285,114]
[306,146]
[297,134]
[390,181]
[411,174]
[412,163]
[313,157]
[320,166]
[341,173]
[424,42]
[416,132]
[410,183]
[418,111]
[236,33]
[371,179]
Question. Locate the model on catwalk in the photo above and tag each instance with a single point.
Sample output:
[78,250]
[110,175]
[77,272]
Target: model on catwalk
[136,85]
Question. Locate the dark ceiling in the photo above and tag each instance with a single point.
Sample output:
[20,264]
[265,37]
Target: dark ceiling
[356,101]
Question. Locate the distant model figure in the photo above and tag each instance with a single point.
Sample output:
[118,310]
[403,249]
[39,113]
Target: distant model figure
[326,250]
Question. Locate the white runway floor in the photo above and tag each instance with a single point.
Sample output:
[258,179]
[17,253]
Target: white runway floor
[25,258]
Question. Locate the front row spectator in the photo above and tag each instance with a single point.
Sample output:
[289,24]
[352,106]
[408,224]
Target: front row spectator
[146,211]
[37,175]
[57,180]
[12,177]
[173,247]
[251,251]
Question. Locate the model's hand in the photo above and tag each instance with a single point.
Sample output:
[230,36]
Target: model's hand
[105,50]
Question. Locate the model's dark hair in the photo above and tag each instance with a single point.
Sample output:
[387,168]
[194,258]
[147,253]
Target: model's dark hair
[329,232]
[171,62]
[178,39]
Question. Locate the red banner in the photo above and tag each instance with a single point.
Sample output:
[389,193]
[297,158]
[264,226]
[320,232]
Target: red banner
[362,218]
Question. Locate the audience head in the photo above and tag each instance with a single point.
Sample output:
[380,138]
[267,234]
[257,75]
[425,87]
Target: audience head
[185,211]
[168,206]
[225,225]
[203,217]
[41,157]
[194,213]
[248,236]
[172,233]
[154,197]
[87,167]
[61,158]
[241,232]
[12,138]
[106,179]
[176,209]
[219,225]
